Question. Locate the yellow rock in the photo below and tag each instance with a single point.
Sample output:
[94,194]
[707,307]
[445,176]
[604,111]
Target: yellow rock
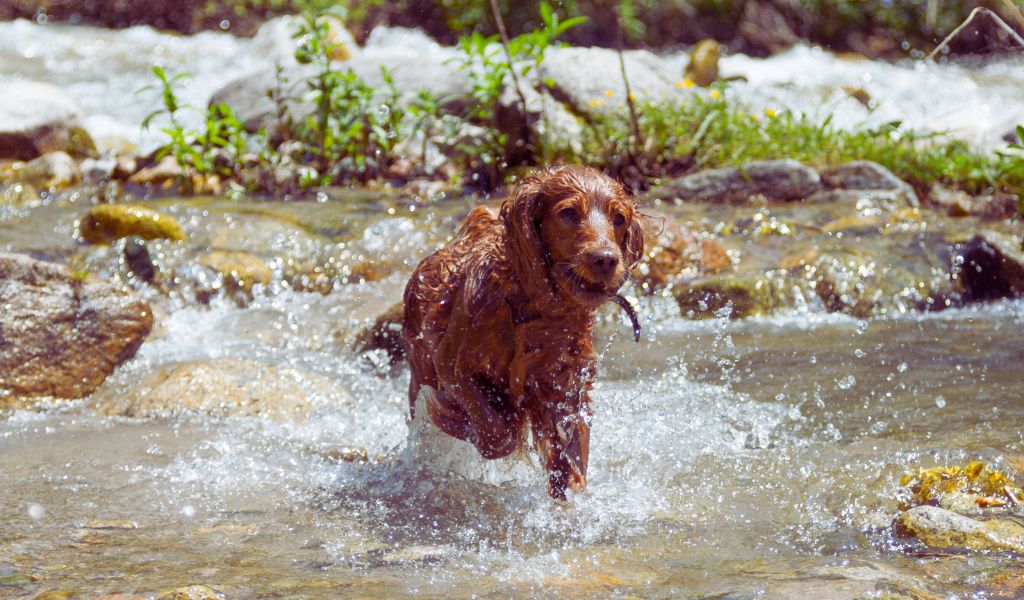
[240,270]
[106,223]
[703,66]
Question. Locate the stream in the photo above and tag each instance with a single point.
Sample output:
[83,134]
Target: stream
[753,458]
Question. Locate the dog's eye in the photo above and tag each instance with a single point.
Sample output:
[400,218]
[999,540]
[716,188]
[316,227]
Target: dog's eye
[619,219]
[569,216]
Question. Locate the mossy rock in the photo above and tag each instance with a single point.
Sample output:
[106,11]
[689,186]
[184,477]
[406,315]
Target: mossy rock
[703,66]
[106,223]
[744,295]
[974,485]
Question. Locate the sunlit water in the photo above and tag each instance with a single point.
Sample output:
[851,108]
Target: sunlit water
[103,71]
[738,459]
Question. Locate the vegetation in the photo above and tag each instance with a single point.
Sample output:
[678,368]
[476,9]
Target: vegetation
[354,132]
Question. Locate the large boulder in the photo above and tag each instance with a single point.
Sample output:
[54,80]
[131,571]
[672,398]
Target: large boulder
[36,118]
[782,180]
[62,334]
[944,529]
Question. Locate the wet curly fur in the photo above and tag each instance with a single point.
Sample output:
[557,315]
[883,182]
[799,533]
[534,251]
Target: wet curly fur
[500,321]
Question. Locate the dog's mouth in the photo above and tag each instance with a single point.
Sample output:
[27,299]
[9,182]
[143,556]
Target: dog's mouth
[587,289]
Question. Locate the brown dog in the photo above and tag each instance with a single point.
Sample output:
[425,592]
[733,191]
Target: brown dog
[500,321]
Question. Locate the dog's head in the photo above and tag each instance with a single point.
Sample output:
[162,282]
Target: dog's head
[574,233]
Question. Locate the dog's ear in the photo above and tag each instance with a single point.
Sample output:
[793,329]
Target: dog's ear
[520,213]
[633,243]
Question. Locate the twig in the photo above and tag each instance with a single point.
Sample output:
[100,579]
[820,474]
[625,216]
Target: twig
[967,22]
[506,44]
[1014,500]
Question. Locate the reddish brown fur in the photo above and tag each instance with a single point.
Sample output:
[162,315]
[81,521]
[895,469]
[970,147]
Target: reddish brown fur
[500,321]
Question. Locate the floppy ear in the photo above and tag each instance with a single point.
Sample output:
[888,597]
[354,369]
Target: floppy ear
[633,243]
[519,213]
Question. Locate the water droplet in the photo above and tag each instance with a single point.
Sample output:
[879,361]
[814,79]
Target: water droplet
[188,511]
[846,382]
[940,401]
[36,511]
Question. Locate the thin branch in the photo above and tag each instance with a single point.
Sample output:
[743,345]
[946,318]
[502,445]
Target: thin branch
[506,44]
[979,10]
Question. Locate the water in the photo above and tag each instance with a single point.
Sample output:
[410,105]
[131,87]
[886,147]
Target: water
[103,70]
[741,459]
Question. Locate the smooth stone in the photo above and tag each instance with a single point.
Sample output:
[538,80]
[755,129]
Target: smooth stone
[867,175]
[780,180]
[105,223]
[63,332]
[240,270]
[702,69]
[192,592]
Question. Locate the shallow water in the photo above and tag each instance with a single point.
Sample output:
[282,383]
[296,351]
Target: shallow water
[740,459]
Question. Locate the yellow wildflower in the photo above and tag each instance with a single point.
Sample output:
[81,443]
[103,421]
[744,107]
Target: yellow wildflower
[770,112]
[715,94]
[609,93]
[688,83]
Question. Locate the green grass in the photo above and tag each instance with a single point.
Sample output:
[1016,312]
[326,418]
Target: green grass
[706,132]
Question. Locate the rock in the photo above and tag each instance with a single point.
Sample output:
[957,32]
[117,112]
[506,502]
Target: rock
[867,175]
[944,529]
[51,170]
[18,194]
[218,387]
[385,334]
[991,266]
[110,524]
[63,334]
[765,30]
[865,201]
[105,223]
[37,118]
[239,270]
[162,172]
[192,592]
[703,66]
[773,179]
[736,296]
[957,203]
[121,597]
[589,80]
[55,595]
[416,63]
[671,252]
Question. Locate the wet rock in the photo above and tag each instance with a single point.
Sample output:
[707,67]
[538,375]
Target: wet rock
[218,387]
[105,223]
[385,334]
[783,180]
[239,270]
[672,252]
[51,170]
[37,118]
[867,175]
[944,529]
[703,66]
[121,597]
[897,278]
[164,171]
[864,201]
[590,80]
[138,259]
[735,296]
[957,203]
[992,266]
[18,194]
[192,592]
[63,333]
[55,595]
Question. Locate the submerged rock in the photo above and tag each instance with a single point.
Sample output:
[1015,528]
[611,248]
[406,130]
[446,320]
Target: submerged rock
[672,252]
[239,270]
[62,333]
[784,180]
[219,387]
[958,203]
[105,223]
[36,118]
[192,592]
[735,295]
[944,529]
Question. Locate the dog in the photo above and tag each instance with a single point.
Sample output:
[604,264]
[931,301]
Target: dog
[499,323]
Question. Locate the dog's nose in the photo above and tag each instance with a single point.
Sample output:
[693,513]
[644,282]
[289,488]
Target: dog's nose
[603,262]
